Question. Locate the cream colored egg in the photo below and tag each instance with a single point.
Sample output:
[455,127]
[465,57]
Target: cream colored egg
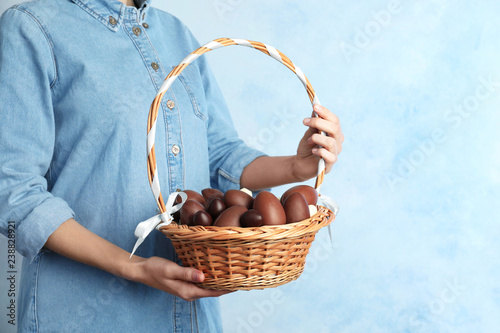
[312,210]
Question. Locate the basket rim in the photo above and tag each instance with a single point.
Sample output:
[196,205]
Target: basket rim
[152,167]
[321,219]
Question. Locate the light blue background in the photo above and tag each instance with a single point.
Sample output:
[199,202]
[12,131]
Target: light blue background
[415,246]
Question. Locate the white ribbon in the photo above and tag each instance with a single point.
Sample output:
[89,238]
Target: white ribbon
[327,202]
[144,228]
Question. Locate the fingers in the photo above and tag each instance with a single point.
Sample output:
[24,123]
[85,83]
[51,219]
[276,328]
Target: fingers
[329,157]
[325,113]
[186,274]
[307,135]
[330,145]
[332,128]
[179,281]
[329,123]
[325,141]
[189,292]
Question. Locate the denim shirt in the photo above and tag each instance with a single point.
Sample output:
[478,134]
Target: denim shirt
[76,82]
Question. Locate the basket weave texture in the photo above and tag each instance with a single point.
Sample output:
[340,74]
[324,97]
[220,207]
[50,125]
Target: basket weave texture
[235,258]
[239,258]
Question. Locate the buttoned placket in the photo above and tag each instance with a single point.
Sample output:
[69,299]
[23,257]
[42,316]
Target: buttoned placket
[134,23]
[136,26]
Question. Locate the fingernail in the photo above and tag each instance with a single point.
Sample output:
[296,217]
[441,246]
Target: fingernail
[315,150]
[307,121]
[316,107]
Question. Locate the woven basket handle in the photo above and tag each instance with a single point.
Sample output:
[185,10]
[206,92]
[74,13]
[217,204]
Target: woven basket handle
[177,70]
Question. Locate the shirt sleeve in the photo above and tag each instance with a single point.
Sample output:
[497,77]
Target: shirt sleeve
[27,132]
[228,154]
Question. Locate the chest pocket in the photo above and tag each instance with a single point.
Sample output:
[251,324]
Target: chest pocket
[191,80]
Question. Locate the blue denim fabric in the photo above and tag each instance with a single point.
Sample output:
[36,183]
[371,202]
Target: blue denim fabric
[76,83]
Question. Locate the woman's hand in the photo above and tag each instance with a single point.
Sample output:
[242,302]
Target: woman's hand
[72,240]
[305,163]
[271,171]
[166,275]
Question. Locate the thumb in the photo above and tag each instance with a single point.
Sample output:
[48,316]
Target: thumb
[309,132]
[189,274]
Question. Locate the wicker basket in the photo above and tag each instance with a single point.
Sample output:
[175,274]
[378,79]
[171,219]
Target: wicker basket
[234,258]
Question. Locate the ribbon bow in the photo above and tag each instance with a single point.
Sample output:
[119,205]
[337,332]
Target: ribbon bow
[327,202]
[144,228]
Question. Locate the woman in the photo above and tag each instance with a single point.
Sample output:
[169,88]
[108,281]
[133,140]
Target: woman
[77,78]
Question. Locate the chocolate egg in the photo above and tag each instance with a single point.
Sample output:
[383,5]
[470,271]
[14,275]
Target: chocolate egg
[193,195]
[210,192]
[296,208]
[230,217]
[251,218]
[177,216]
[215,206]
[188,210]
[202,218]
[237,198]
[270,208]
[308,192]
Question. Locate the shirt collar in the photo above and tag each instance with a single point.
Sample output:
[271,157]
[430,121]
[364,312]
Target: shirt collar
[112,13]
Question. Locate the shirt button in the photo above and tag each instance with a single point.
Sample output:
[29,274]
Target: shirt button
[112,20]
[155,66]
[136,31]
[170,104]
[145,25]
[175,149]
